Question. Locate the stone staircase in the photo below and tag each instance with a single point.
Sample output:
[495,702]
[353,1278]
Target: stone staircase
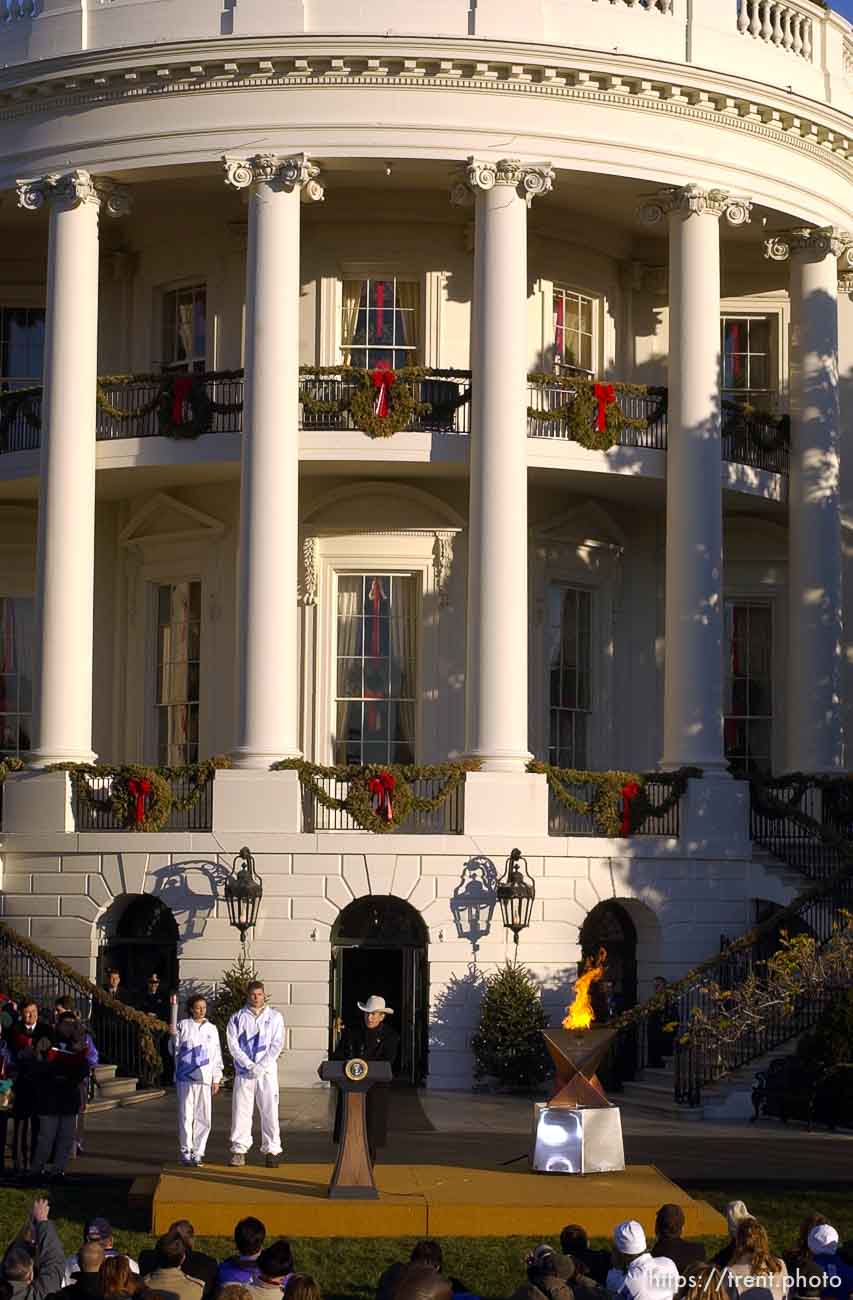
[111,1092]
[728,1101]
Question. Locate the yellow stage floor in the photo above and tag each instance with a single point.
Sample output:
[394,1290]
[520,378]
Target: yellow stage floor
[421,1200]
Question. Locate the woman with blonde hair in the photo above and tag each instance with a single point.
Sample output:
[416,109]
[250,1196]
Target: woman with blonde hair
[753,1264]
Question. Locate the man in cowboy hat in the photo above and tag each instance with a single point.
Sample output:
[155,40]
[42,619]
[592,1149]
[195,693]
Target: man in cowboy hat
[373,1040]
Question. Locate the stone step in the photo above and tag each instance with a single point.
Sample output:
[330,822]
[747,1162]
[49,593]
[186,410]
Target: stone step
[143,1094]
[103,1073]
[100,1105]
[115,1089]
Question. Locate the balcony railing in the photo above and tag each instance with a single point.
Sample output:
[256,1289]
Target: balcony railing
[93,810]
[563,821]
[444,820]
[148,406]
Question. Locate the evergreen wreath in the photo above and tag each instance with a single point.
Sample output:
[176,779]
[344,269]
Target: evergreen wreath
[578,416]
[606,807]
[133,782]
[359,802]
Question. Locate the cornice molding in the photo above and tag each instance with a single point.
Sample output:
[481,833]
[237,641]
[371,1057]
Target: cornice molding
[744,114]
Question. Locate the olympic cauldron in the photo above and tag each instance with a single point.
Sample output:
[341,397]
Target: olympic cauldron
[578,1131]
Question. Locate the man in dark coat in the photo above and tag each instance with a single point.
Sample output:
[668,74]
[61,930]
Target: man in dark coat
[374,1040]
[61,1067]
[21,1038]
[687,1256]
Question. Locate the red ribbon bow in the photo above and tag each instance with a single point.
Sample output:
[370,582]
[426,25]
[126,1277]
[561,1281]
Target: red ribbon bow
[181,388]
[381,788]
[139,789]
[383,379]
[605,395]
[629,793]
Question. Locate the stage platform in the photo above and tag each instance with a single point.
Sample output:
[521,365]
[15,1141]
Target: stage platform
[420,1201]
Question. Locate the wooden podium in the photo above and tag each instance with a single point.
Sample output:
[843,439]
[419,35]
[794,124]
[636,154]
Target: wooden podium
[353,1175]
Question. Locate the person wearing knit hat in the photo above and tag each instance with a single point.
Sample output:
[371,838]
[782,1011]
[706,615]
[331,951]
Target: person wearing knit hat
[823,1240]
[642,1276]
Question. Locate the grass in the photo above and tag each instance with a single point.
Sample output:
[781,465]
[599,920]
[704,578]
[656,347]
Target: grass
[491,1266]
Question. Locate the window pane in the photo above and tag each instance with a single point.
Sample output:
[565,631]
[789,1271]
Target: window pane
[748,695]
[759,335]
[585,357]
[376,665]
[573,314]
[758,372]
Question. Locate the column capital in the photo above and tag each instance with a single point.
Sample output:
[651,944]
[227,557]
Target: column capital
[72,190]
[529,180]
[283,173]
[823,241]
[695,200]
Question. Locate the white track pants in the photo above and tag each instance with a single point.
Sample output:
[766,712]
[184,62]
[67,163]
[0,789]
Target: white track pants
[194,1112]
[249,1093]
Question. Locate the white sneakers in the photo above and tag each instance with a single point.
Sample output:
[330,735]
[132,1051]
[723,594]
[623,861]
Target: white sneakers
[237,1159]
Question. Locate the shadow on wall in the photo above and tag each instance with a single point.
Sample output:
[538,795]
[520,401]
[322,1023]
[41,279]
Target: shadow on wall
[189,889]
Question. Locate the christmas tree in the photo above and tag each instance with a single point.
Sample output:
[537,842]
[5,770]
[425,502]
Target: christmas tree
[231,993]
[508,1044]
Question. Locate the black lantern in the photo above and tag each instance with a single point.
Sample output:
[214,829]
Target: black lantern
[243,893]
[516,893]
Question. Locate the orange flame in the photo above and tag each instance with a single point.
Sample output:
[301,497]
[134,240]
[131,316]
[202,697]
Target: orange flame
[580,1014]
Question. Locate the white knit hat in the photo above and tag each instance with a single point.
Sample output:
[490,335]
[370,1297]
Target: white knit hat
[823,1240]
[629,1238]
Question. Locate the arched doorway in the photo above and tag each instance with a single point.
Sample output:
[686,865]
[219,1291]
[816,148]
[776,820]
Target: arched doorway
[609,926]
[379,945]
[144,939]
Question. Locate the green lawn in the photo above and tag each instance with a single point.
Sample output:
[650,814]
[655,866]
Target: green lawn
[493,1267]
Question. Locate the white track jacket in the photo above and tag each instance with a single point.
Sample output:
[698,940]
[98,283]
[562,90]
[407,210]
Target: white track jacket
[255,1042]
[197,1053]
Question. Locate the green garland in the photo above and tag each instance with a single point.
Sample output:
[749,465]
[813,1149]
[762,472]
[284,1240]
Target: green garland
[605,806]
[159,802]
[144,1023]
[359,800]
[8,765]
[579,414]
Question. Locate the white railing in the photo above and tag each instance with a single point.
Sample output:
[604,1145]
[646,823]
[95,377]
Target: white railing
[779,24]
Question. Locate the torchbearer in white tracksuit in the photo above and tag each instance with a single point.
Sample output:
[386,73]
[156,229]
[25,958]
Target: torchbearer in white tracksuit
[255,1038]
[194,1043]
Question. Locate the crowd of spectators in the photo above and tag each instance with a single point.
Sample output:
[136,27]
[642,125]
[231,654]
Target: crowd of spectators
[46,1066]
[816,1267]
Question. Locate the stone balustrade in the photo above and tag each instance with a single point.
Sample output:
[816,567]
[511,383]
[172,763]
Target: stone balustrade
[786,26]
[815,43]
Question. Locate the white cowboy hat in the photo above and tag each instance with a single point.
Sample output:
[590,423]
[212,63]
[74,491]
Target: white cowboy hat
[375,1003]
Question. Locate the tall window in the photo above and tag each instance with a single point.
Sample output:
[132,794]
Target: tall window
[380,322]
[185,329]
[569,658]
[749,686]
[375,705]
[178,672]
[16,675]
[573,331]
[747,361]
[21,344]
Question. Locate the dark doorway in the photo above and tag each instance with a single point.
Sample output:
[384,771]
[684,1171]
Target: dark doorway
[145,940]
[609,926]
[379,945]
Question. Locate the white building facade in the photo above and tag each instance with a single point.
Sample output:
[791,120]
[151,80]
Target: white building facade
[209,211]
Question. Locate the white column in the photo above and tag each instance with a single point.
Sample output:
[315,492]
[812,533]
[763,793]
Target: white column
[693,674]
[496,677]
[62,705]
[813,712]
[268,722]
